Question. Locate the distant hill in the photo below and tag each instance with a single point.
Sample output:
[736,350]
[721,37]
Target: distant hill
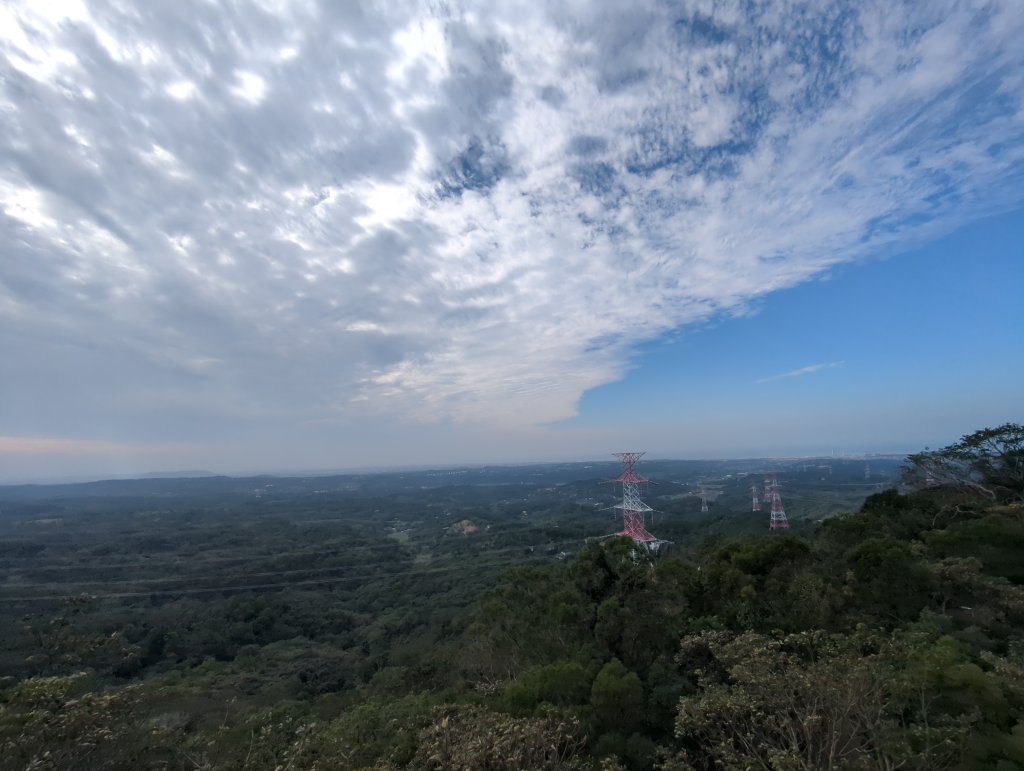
[177,474]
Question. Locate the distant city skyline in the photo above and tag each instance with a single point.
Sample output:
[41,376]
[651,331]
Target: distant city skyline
[333,235]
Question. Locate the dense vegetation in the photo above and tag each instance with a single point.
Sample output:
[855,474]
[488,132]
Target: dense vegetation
[431,623]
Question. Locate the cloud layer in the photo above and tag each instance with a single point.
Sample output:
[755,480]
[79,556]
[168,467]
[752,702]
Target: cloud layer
[301,212]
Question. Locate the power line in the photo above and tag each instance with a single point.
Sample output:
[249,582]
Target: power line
[252,587]
[75,523]
[297,553]
[199,559]
[214,577]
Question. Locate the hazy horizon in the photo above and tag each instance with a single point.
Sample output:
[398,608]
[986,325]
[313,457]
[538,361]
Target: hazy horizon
[86,477]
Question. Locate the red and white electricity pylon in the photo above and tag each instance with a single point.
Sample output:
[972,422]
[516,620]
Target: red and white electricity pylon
[778,519]
[633,508]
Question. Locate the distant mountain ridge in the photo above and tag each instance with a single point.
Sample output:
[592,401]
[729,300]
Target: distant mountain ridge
[177,474]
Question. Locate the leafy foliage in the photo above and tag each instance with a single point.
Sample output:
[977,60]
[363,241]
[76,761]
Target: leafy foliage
[473,739]
[989,462]
[810,701]
[56,723]
[892,637]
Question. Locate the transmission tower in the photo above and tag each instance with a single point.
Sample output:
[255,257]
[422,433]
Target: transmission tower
[778,518]
[703,500]
[755,499]
[767,490]
[633,508]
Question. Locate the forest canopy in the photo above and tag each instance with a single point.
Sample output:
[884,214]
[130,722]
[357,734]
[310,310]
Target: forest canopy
[294,631]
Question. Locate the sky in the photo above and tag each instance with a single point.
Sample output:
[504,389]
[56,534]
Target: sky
[304,235]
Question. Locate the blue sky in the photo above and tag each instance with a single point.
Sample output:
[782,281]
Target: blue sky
[883,356]
[309,234]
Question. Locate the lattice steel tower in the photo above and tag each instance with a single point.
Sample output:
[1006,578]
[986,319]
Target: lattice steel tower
[633,509]
[755,499]
[778,517]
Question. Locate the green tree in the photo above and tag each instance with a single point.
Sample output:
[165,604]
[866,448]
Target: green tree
[473,739]
[60,646]
[988,463]
[57,723]
[814,701]
[560,684]
[612,567]
[889,582]
[617,696]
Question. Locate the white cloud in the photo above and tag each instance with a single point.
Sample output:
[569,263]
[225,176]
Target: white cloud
[801,371]
[26,204]
[182,89]
[250,88]
[517,195]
